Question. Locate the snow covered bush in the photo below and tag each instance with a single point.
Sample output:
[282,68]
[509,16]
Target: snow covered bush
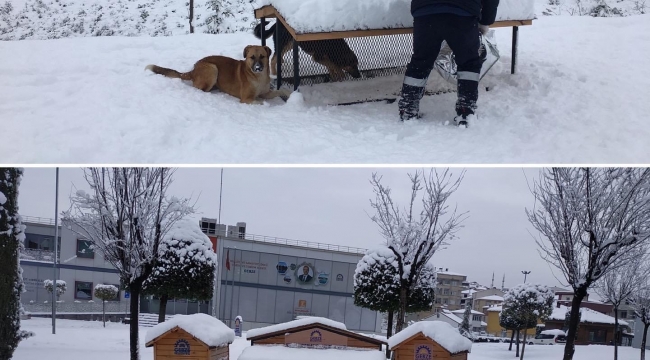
[595,8]
[529,303]
[54,19]
[105,293]
[12,237]
[185,267]
[377,285]
[60,287]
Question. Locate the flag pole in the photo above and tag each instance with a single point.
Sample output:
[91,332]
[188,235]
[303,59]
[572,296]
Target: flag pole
[56,250]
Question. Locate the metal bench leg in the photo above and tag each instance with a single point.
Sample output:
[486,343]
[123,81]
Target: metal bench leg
[296,67]
[515,42]
[263,31]
[278,53]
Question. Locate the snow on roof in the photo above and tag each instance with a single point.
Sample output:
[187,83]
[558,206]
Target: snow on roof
[491,297]
[343,15]
[469,291]
[463,311]
[483,323]
[553,332]
[445,313]
[282,352]
[444,334]
[204,327]
[587,316]
[495,308]
[449,273]
[292,324]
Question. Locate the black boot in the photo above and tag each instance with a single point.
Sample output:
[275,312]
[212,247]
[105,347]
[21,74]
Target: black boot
[409,104]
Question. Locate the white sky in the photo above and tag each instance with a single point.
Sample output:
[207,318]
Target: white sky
[331,205]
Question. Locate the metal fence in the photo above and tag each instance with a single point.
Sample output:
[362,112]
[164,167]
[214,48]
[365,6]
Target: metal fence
[301,243]
[355,58]
[39,220]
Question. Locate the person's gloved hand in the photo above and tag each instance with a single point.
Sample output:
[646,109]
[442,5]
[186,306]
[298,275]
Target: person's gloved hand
[483,29]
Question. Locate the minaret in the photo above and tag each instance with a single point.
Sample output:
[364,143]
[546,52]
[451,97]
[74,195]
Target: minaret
[492,286]
[503,282]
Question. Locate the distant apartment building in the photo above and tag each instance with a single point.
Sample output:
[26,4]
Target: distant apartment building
[482,303]
[449,289]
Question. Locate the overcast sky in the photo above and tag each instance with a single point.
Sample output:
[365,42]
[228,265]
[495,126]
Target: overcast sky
[331,205]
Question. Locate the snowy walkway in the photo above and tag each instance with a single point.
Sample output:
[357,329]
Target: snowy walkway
[580,96]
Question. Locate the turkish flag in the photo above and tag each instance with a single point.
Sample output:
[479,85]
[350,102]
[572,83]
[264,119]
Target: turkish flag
[228,260]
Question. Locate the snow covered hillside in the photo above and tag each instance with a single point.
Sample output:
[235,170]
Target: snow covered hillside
[580,95]
[79,339]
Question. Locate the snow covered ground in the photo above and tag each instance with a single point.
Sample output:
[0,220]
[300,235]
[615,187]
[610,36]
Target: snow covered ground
[580,96]
[81,339]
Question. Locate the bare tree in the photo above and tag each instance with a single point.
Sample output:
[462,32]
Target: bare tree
[125,217]
[641,305]
[617,287]
[413,237]
[589,222]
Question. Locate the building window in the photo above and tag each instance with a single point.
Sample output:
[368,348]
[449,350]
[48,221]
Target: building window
[476,317]
[445,301]
[452,302]
[437,300]
[83,290]
[446,282]
[446,291]
[454,283]
[84,249]
[40,242]
[624,314]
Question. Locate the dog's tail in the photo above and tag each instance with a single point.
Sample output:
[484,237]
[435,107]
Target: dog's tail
[267,33]
[170,73]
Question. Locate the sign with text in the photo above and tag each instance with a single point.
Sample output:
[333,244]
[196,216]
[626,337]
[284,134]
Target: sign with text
[423,352]
[316,337]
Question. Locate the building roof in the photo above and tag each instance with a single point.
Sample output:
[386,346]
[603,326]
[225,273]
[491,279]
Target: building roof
[442,333]
[495,308]
[491,297]
[439,272]
[586,316]
[463,311]
[205,328]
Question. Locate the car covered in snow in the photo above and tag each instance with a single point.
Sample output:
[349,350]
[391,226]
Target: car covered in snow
[549,337]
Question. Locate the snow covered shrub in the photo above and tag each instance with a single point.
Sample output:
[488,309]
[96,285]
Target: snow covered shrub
[604,10]
[105,293]
[640,6]
[60,287]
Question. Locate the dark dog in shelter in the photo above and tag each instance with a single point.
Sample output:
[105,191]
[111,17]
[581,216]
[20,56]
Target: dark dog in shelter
[335,54]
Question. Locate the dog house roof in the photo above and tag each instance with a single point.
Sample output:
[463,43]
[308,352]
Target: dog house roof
[203,327]
[313,16]
[442,333]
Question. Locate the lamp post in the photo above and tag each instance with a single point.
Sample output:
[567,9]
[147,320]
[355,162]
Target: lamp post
[525,274]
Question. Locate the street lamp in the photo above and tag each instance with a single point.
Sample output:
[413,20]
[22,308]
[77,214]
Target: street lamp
[525,274]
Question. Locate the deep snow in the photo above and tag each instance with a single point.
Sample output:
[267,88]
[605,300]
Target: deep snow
[580,96]
[81,339]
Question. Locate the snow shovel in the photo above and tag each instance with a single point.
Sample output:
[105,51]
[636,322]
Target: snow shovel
[446,65]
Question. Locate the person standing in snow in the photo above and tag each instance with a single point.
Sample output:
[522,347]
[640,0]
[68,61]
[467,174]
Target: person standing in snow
[459,23]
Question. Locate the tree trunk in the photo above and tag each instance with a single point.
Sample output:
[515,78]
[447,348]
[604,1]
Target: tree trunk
[133,325]
[517,352]
[104,312]
[389,331]
[401,315]
[523,346]
[10,283]
[163,308]
[191,16]
[645,336]
[616,334]
[569,348]
[512,337]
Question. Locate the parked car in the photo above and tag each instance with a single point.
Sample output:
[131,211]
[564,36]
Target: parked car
[549,337]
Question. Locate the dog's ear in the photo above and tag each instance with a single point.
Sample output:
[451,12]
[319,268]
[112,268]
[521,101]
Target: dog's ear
[268,51]
[246,50]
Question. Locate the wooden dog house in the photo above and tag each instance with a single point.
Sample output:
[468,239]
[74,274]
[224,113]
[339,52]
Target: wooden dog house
[190,337]
[312,332]
[428,340]
[380,51]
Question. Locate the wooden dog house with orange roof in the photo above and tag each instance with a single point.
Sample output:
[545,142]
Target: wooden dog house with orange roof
[428,340]
[312,332]
[190,337]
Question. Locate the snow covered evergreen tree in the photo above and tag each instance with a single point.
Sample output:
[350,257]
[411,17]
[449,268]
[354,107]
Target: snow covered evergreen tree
[105,293]
[529,303]
[415,236]
[185,267]
[590,221]
[377,284]
[509,321]
[125,217]
[12,237]
[466,327]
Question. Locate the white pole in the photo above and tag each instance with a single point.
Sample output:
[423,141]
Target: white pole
[56,250]
[216,298]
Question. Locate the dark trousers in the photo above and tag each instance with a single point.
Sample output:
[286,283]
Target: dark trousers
[462,36]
